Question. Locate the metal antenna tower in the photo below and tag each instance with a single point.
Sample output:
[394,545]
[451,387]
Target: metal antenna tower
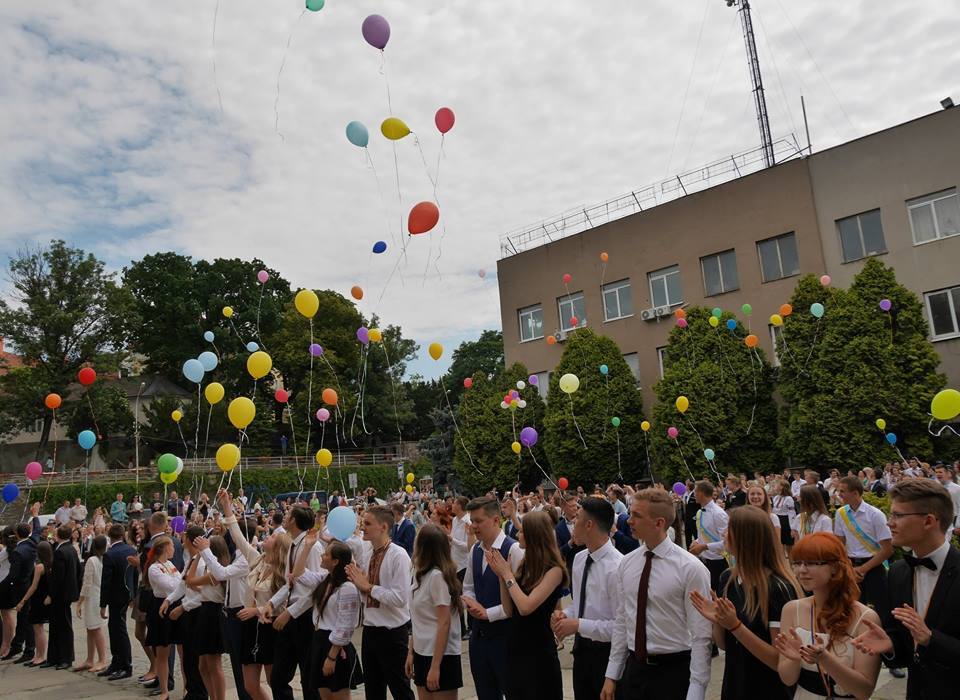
[759,101]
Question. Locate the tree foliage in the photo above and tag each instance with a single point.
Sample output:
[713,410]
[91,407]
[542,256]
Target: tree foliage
[483,355]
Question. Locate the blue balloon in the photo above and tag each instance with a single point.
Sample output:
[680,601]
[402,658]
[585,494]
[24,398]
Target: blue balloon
[731,324]
[816,309]
[193,370]
[341,522]
[208,360]
[252,347]
[604,369]
[379,247]
[87,439]
[357,134]
[709,454]
[891,438]
[208,336]
[10,492]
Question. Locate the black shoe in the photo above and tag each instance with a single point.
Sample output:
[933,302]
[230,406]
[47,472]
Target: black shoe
[47,664]
[119,675]
[898,673]
[152,684]
[27,656]
[64,665]
[9,655]
[155,692]
[106,672]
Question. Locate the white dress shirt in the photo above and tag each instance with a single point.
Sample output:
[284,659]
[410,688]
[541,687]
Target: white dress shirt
[515,556]
[795,488]
[924,580]
[234,575]
[954,490]
[600,609]
[714,519]
[164,578]
[775,520]
[431,592]
[673,624]
[806,524]
[297,597]
[783,505]
[341,613]
[192,598]
[873,523]
[392,591]
[458,543]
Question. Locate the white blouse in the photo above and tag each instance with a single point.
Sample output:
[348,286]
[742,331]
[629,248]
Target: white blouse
[164,578]
[783,505]
[341,614]
[803,524]
[431,592]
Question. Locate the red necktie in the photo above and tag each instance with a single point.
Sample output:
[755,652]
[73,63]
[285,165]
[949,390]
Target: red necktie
[640,640]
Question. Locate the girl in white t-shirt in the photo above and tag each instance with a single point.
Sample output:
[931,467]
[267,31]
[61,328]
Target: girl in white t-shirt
[433,657]
[813,515]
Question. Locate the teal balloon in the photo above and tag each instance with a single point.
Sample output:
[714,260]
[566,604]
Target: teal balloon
[208,360]
[315,5]
[87,439]
[709,454]
[208,336]
[193,370]
[167,463]
[357,134]
[616,422]
[252,347]
[604,369]
[717,311]
[731,324]
[816,309]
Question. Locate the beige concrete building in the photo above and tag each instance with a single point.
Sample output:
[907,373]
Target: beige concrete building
[892,193]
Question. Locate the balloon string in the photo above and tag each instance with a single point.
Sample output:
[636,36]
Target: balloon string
[323,430]
[689,422]
[309,404]
[196,439]
[386,80]
[259,304]
[276,101]
[812,345]
[206,439]
[363,389]
[239,337]
[713,468]
[646,447]
[692,478]
[213,46]
[293,435]
[404,241]
[575,424]
[616,432]
[186,450]
[940,432]
[383,202]
[393,387]
[456,427]
[53,427]
[93,415]
[534,457]
[753,374]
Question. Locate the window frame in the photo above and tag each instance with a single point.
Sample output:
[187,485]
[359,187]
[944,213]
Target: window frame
[615,288]
[723,286]
[928,200]
[777,240]
[953,314]
[863,246]
[571,299]
[661,357]
[663,273]
[529,309]
[636,375]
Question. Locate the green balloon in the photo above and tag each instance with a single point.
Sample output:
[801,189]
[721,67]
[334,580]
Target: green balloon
[315,5]
[167,463]
[746,309]
[718,312]
[615,421]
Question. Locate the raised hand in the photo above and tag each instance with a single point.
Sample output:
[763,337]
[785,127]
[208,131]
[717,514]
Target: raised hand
[915,625]
[707,608]
[874,640]
[789,644]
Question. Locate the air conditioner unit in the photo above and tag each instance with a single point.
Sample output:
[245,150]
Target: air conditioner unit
[561,336]
[655,313]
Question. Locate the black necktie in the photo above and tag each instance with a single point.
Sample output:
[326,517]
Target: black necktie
[925,561]
[583,586]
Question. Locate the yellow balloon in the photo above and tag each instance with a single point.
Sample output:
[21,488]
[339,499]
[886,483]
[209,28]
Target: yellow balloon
[881,424]
[516,447]
[409,488]
[228,456]
[435,350]
[228,311]
[645,426]
[569,383]
[375,335]
[410,477]
[307,302]
[177,414]
[946,404]
[324,457]
[168,478]
[776,320]
[683,403]
[394,129]
[214,392]
[259,364]
[241,412]
[714,321]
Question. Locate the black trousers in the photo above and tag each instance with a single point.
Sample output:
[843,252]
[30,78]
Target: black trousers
[120,651]
[660,680]
[489,658]
[715,567]
[291,648]
[464,618]
[589,665]
[873,587]
[60,648]
[383,655]
[233,640]
[24,637]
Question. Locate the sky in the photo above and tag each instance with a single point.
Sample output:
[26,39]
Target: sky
[132,128]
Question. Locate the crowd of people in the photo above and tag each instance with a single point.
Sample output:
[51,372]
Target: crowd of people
[795,580]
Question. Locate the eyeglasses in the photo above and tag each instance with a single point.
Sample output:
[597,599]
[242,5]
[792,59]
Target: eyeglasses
[808,564]
[896,516]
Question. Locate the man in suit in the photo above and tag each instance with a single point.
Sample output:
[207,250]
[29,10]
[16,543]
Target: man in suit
[116,591]
[64,590]
[403,533]
[22,559]
[922,620]
[690,508]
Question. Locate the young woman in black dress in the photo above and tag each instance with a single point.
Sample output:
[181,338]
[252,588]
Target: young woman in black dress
[39,594]
[529,600]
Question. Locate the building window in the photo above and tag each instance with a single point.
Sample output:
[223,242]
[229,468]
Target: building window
[662,359]
[633,362]
[943,308]
[543,383]
[665,286]
[775,360]
[572,307]
[778,257]
[531,323]
[934,216]
[38,425]
[720,273]
[617,300]
[861,236]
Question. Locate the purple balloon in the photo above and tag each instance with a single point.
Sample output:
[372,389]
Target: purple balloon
[376,30]
[363,335]
[533,380]
[679,488]
[178,524]
[323,415]
[885,305]
[316,350]
[528,437]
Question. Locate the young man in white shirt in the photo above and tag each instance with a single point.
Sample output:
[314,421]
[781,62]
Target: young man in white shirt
[460,545]
[659,650]
[62,514]
[945,476]
[867,538]
[711,523]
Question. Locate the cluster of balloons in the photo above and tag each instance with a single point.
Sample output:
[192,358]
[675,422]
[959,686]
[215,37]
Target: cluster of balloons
[195,369]
[170,466]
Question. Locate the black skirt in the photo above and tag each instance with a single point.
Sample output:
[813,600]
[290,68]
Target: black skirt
[347,672]
[161,631]
[257,640]
[786,537]
[451,674]
[206,631]
[37,613]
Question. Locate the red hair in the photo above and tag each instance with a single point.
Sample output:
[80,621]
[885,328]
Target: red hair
[836,616]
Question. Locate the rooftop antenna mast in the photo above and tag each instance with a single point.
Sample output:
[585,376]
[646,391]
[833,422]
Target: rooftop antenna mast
[759,101]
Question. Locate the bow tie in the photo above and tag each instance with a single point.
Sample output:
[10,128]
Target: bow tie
[925,561]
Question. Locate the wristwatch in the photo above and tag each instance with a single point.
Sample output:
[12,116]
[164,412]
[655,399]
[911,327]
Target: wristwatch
[509,583]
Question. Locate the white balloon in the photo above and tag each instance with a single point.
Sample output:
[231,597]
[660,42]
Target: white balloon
[521,384]
[179,466]
[521,403]
[504,404]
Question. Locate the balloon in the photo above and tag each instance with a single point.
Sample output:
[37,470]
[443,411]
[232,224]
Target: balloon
[375,335]
[179,468]
[87,376]
[731,324]
[615,421]
[341,522]
[357,134]
[444,119]
[208,360]
[379,247]
[521,404]
[569,383]
[241,412]
[52,401]
[168,478]
[356,292]
[682,403]
[259,364]
[776,320]
[891,438]
[717,312]
[316,350]
[410,477]
[214,392]
[680,313]
[604,257]
[193,371]
[825,280]
[179,523]
[176,415]
[885,305]
[307,302]
[227,311]
[323,415]
[672,432]
[423,217]
[567,277]
[252,347]
[394,129]
[324,457]
[435,350]
[679,488]
[682,322]
[363,335]
[263,276]
[946,404]
[529,437]
[714,321]
[751,341]
[504,404]
[563,483]
[228,456]
[167,463]
[408,488]
[281,395]
[551,340]
[33,471]
[376,31]
[816,309]
[208,336]
[329,397]
[533,379]
[881,424]
[574,321]
[87,439]
[645,426]
[786,310]
[468,382]
[11,492]
[709,454]
[521,385]
[604,369]
[516,447]
[746,309]
[482,273]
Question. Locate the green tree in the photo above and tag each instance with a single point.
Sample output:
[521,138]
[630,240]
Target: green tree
[438,448]
[483,355]
[426,397]
[731,409]
[104,409]
[581,441]
[856,365]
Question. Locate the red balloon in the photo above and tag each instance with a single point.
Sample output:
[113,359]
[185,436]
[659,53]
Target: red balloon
[444,119]
[563,483]
[468,382]
[87,376]
[423,217]
[567,277]
[281,396]
[574,321]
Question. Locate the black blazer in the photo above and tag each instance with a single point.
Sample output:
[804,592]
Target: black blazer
[65,584]
[116,586]
[931,669]
[22,559]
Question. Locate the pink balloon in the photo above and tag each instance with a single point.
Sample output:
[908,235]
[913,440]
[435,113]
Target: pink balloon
[825,280]
[672,432]
[281,396]
[444,119]
[263,276]
[567,278]
[682,322]
[33,471]
[323,415]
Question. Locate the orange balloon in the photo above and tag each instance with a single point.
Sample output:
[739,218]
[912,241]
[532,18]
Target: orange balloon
[423,217]
[604,257]
[680,313]
[356,292]
[751,341]
[786,310]
[551,340]
[329,397]
[53,401]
